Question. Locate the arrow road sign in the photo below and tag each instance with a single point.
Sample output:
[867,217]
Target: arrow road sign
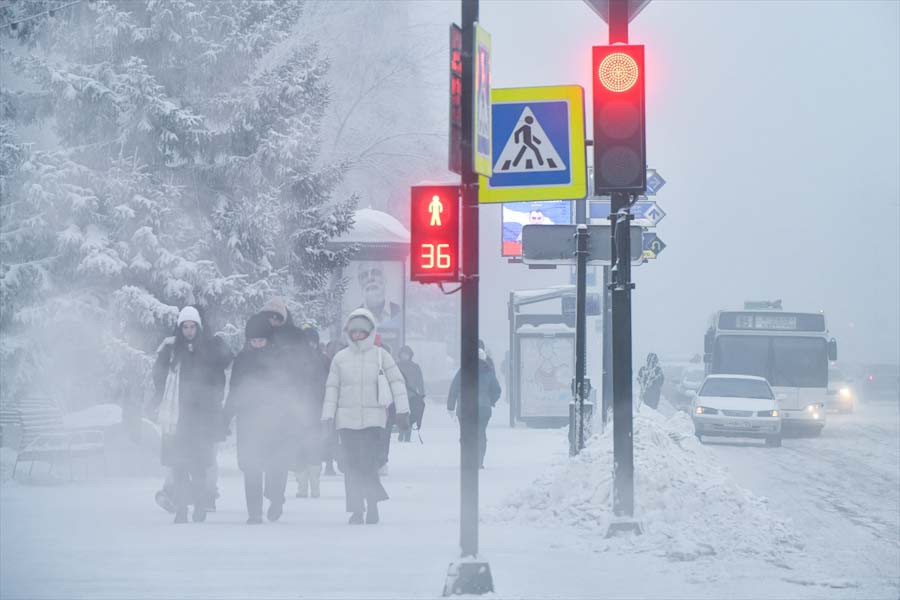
[654,182]
[646,212]
[555,244]
[652,245]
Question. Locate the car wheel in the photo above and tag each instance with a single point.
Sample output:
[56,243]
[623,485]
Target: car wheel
[773,442]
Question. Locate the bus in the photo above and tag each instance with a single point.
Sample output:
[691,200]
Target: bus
[791,350]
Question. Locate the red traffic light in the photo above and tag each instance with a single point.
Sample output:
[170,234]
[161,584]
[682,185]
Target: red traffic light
[434,233]
[618,72]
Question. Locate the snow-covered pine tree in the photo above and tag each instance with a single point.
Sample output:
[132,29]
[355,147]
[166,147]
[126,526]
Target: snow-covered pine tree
[184,171]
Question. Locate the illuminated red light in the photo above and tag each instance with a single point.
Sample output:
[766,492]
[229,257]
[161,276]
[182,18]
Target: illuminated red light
[618,72]
[434,234]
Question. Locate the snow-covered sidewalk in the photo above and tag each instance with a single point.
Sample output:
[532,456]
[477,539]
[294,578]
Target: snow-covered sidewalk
[107,539]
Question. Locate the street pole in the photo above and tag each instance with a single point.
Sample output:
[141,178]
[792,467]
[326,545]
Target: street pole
[577,421]
[621,286]
[469,575]
[469,451]
[607,392]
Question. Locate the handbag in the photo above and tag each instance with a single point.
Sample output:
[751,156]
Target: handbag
[385,395]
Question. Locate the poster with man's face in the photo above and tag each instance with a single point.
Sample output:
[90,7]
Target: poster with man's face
[378,286]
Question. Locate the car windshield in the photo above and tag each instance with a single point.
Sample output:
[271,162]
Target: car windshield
[736,388]
[783,361]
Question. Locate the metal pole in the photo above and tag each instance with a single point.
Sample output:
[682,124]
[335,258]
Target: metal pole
[470,456]
[581,252]
[606,390]
[620,217]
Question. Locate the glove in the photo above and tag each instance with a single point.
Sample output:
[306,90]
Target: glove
[403,421]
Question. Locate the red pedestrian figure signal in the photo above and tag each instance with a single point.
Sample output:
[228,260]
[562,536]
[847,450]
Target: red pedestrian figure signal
[434,234]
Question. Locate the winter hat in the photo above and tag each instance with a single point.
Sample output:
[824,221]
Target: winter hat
[189,313]
[258,326]
[276,305]
[407,350]
[360,318]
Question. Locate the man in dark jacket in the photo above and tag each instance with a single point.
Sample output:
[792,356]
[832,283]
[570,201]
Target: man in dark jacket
[268,417]
[306,374]
[189,377]
[415,391]
[488,395]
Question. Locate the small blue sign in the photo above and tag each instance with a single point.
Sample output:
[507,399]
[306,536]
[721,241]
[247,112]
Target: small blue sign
[654,182]
[652,245]
[522,157]
[643,210]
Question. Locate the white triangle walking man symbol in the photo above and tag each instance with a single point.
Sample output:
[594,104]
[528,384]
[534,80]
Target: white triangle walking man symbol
[528,149]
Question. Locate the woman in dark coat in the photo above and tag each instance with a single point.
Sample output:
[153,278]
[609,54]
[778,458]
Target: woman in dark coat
[268,417]
[189,376]
[415,390]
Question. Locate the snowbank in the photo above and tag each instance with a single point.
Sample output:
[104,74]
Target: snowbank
[687,503]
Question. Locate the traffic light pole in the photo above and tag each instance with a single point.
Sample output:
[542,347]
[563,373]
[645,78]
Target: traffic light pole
[621,286]
[469,576]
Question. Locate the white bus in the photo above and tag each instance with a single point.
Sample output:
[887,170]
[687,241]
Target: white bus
[791,350]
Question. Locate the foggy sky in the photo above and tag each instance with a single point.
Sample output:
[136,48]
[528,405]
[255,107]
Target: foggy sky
[777,127]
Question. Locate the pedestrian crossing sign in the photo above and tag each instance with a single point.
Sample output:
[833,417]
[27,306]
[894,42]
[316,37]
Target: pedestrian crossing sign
[537,145]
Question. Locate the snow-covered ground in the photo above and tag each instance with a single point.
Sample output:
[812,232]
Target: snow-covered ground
[824,515]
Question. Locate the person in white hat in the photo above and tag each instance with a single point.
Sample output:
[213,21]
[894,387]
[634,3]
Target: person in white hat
[189,377]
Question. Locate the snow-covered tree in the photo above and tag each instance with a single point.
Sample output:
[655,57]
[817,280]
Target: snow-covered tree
[185,172]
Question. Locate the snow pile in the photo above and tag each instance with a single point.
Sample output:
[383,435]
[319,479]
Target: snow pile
[98,416]
[688,505]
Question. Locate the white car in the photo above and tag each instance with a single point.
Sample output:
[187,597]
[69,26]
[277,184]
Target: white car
[737,406]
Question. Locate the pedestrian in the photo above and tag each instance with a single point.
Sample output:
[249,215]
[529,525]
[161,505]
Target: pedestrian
[415,390]
[189,377]
[354,405]
[312,371]
[488,393]
[650,380]
[268,419]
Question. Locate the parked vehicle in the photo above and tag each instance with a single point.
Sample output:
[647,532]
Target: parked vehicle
[737,406]
[841,396]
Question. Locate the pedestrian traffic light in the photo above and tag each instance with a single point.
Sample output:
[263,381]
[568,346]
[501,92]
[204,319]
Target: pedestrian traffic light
[620,157]
[434,233]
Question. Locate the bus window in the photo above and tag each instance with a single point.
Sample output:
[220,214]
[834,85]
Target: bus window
[742,355]
[799,362]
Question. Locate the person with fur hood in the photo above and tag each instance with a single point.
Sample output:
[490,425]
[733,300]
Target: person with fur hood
[358,410]
[189,377]
[268,419]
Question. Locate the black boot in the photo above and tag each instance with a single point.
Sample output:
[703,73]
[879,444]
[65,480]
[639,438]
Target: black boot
[181,515]
[276,509]
[372,513]
[199,514]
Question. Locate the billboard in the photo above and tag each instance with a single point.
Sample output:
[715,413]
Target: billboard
[378,286]
[547,366]
[517,214]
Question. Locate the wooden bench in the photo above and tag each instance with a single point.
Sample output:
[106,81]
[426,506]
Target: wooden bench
[38,423]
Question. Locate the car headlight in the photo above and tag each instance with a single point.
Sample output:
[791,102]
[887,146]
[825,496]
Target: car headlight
[768,413]
[845,393]
[702,410]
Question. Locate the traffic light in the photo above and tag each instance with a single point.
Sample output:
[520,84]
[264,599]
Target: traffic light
[620,156]
[434,234]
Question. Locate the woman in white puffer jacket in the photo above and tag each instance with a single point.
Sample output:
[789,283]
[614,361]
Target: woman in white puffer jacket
[351,400]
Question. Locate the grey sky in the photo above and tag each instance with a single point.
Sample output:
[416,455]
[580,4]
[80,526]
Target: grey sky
[777,126]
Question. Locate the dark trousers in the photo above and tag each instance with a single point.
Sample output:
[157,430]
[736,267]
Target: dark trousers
[482,436]
[255,489]
[189,487]
[360,461]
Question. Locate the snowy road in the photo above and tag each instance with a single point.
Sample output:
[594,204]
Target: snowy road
[842,491]
[106,539]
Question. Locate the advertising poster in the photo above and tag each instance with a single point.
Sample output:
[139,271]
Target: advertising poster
[547,369]
[517,214]
[378,286]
